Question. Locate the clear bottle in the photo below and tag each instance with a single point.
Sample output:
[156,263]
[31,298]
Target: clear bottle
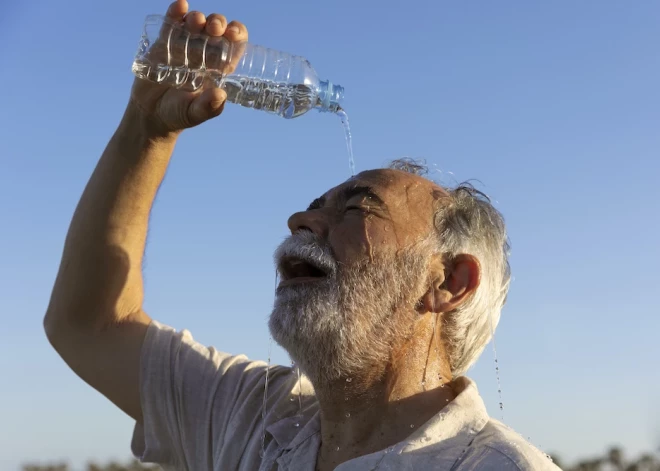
[253,76]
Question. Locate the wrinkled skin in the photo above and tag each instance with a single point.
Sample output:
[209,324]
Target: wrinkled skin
[375,314]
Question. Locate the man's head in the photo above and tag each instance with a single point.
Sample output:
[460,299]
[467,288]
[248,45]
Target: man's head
[376,254]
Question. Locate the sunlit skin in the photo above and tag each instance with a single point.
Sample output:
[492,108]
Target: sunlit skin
[96,321]
[380,212]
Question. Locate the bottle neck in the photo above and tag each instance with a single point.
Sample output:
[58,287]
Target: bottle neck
[329,97]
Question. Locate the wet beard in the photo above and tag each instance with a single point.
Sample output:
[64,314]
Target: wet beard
[345,325]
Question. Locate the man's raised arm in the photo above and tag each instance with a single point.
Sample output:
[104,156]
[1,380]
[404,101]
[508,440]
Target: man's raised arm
[95,319]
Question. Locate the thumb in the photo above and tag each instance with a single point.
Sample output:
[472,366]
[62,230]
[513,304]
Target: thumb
[207,105]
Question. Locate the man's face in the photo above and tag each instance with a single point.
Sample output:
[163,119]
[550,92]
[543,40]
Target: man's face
[352,272]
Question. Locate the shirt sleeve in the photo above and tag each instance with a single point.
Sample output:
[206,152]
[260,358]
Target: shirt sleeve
[489,459]
[196,400]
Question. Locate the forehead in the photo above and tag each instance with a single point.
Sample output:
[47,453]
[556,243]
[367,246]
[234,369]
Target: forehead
[394,186]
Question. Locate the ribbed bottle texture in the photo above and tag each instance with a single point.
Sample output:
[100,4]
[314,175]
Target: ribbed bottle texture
[253,76]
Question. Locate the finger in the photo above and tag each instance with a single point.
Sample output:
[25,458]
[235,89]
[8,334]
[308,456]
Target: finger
[236,31]
[216,24]
[207,105]
[195,21]
[177,10]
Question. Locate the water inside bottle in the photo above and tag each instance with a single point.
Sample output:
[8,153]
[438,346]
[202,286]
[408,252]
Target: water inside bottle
[349,139]
[286,100]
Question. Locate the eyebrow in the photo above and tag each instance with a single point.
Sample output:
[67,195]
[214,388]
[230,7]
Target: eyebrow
[318,203]
[364,191]
[347,194]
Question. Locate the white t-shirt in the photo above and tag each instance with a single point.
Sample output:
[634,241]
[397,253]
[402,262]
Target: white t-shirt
[203,410]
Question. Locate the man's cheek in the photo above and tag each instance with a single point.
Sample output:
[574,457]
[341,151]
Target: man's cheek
[351,244]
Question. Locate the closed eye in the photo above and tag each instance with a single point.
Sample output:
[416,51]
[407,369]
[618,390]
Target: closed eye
[356,208]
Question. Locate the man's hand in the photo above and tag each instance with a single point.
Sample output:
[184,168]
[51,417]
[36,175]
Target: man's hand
[95,319]
[169,109]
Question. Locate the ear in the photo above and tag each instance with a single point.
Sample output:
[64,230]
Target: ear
[451,283]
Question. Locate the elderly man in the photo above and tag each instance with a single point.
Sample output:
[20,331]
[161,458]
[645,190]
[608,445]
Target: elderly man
[391,287]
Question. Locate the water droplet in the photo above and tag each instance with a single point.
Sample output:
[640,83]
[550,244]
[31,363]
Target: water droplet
[497,367]
[299,390]
[412,425]
[423,383]
[389,449]
[162,71]
[264,409]
[180,75]
[292,399]
[297,424]
[348,380]
[337,449]
[197,79]
[348,414]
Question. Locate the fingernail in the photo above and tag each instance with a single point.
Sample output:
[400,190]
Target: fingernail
[233,30]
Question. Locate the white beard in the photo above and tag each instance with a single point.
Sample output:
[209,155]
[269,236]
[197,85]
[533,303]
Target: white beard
[346,323]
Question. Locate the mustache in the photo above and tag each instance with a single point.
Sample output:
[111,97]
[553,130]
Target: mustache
[310,248]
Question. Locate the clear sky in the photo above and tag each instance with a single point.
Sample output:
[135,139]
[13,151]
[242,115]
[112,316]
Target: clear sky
[553,106]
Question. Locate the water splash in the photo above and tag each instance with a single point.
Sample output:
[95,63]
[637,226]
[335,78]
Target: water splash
[264,407]
[349,139]
[431,342]
[299,391]
[497,369]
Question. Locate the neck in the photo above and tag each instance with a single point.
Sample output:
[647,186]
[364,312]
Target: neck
[368,412]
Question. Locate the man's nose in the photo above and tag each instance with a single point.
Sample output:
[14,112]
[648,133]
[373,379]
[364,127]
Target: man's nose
[314,221]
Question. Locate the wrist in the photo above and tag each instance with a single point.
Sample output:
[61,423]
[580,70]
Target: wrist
[146,126]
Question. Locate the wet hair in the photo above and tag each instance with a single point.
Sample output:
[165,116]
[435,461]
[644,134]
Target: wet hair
[467,223]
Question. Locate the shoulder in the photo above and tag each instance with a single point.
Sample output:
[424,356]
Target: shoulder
[499,447]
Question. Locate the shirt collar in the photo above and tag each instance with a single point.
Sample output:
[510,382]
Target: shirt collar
[443,437]
[292,431]
[440,442]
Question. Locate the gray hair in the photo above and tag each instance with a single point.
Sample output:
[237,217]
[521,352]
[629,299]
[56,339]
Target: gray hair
[467,223]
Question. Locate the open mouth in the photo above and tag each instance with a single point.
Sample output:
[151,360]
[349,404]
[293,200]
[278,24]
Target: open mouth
[296,270]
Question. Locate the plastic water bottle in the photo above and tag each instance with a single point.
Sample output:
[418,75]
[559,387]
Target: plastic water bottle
[253,76]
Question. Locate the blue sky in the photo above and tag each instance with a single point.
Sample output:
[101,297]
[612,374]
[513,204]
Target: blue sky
[554,106]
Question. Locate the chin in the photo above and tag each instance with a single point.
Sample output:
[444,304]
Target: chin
[326,344]
[311,333]
[344,325]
